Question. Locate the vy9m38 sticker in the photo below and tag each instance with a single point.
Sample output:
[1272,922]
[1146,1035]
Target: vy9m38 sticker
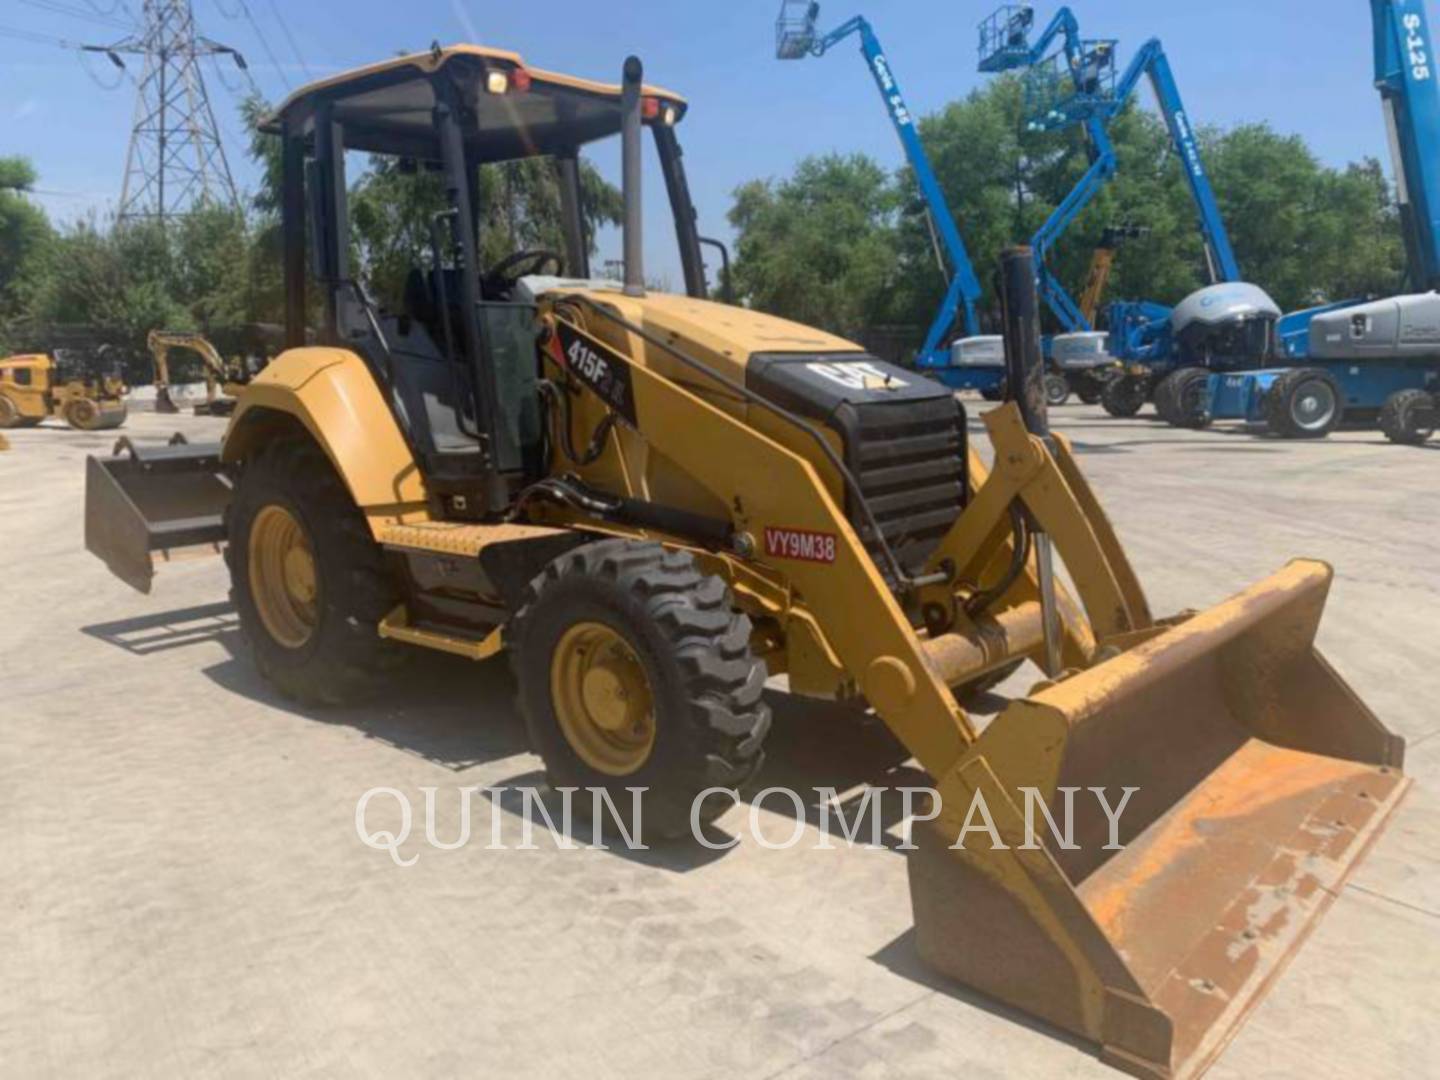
[600,368]
[800,544]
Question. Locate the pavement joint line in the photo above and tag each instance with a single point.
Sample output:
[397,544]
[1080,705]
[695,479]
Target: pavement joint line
[792,1066]
[1423,739]
[1392,900]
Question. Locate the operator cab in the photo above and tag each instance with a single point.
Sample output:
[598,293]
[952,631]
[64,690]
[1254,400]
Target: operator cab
[458,361]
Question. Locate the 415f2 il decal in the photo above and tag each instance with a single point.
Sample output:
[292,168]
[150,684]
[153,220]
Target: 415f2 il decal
[600,368]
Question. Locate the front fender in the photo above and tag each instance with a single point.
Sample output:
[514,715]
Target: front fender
[332,394]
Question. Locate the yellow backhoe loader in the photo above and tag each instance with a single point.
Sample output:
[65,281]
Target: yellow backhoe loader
[86,392]
[223,379]
[653,502]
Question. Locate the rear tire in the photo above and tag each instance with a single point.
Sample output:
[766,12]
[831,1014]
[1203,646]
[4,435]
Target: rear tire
[655,626]
[1124,396]
[1057,390]
[1304,404]
[9,415]
[331,652]
[1398,417]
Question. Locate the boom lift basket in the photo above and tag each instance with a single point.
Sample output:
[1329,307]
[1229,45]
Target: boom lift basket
[795,28]
[1059,95]
[1005,38]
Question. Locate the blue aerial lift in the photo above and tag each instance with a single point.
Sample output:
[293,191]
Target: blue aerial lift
[1229,324]
[1379,359]
[976,361]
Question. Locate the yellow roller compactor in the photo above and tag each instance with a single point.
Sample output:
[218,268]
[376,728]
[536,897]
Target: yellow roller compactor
[86,391]
[653,502]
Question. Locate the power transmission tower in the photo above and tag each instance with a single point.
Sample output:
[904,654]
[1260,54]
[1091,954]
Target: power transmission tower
[176,159]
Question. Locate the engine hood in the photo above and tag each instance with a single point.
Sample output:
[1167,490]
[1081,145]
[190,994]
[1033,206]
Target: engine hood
[1228,302]
[709,327]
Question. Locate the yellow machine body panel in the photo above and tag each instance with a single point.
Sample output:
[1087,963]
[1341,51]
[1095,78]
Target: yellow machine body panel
[333,395]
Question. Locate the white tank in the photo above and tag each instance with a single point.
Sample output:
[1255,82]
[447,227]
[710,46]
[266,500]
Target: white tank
[1077,352]
[986,351]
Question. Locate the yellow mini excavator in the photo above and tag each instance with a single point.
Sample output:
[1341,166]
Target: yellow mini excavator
[653,502]
[223,379]
[86,391]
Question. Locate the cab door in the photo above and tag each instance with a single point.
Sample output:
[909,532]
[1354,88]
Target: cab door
[27,385]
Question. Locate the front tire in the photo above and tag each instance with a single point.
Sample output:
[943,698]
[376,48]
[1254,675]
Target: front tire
[1304,404]
[308,580]
[9,414]
[1189,399]
[1399,417]
[1124,396]
[635,672]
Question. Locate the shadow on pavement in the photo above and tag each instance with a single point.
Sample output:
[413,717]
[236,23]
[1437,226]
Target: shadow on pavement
[147,634]
[902,958]
[452,712]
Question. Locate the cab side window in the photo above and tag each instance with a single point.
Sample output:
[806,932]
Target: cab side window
[19,376]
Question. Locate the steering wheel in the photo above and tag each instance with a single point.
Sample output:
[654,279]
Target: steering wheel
[504,275]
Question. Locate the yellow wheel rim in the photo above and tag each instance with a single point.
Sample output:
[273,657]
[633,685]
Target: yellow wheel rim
[602,699]
[282,576]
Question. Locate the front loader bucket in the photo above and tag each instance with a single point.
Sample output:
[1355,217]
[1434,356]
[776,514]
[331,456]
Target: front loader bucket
[1259,781]
[145,501]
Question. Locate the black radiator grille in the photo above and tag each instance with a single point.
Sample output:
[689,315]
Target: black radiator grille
[909,460]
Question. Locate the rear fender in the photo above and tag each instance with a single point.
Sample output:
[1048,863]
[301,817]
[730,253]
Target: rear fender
[332,395]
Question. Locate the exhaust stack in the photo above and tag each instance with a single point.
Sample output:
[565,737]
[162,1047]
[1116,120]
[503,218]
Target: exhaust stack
[631,174]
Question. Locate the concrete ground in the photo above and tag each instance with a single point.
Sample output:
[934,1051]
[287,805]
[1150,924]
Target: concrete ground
[184,891]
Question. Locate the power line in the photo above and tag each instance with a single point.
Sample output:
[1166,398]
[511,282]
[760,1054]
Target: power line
[264,43]
[37,39]
[285,29]
[88,14]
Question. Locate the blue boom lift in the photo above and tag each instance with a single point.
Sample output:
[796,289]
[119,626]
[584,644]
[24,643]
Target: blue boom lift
[1227,325]
[1381,358]
[975,361]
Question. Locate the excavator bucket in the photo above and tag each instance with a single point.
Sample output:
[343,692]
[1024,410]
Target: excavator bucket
[164,403]
[159,501]
[1256,780]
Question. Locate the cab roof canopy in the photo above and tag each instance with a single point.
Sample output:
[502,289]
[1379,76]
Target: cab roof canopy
[514,111]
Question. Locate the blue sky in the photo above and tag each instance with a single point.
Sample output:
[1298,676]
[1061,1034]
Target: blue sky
[1302,65]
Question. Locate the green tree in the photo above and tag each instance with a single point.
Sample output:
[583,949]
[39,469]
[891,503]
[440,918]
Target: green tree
[120,281]
[820,247]
[25,237]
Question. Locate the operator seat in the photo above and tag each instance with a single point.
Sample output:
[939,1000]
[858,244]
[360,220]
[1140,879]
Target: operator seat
[433,391]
